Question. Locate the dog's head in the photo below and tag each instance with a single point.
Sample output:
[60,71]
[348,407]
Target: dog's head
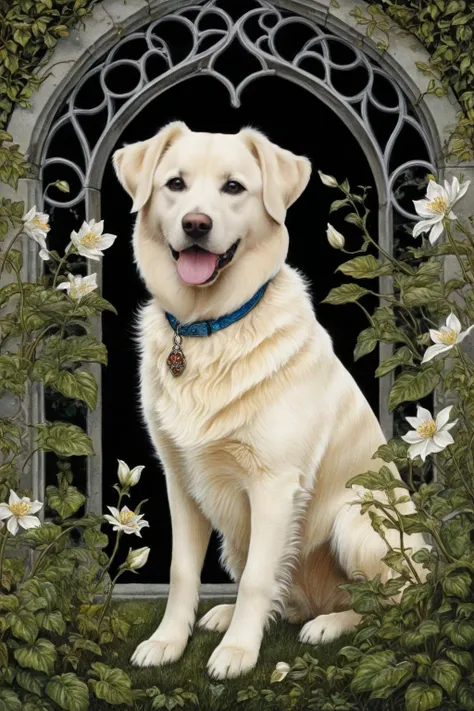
[209,198]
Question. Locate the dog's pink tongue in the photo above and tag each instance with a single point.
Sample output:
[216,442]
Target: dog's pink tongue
[196,266]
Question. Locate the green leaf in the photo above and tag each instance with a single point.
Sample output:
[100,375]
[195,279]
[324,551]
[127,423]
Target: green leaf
[395,450]
[81,348]
[465,695]
[412,386]
[52,621]
[63,439]
[88,645]
[120,627]
[422,697]
[419,296]
[65,501]
[3,654]
[40,538]
[366,267]
[9,701]
[95,539]
[31,681]
[93,305]
[462,659]
[460,633]
[39,656]
[114,686]
[9,602]
[377,481]
[368,671]
[446,674]
[337,204]
[69,692]
[79,384]
[457,585]
[347,293]
[402,356]
[23,625]
[366,342]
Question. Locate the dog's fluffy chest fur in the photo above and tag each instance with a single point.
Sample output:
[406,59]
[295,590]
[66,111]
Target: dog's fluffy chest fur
[224,408]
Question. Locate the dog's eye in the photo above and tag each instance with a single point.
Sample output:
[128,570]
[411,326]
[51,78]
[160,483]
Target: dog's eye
[233,187]
[175,184]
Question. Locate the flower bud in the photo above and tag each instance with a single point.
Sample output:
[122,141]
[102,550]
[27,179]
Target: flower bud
[137,559]
[127,477]
[62,185]
[281,670]
[328,180]
[335,238]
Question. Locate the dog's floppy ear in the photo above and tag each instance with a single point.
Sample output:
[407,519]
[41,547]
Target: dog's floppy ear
[285,175]
[135,164]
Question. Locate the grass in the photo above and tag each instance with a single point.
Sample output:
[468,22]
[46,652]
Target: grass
[280,644]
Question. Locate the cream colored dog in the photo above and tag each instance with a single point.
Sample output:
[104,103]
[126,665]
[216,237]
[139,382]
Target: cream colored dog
[261,431]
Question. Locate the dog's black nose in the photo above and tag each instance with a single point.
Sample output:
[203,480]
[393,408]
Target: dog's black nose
[196,224]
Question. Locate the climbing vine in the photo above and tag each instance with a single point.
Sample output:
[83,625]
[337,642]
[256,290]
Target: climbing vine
[445,29]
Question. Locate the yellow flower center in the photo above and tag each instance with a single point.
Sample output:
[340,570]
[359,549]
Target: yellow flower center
[90,240]
[21,508]
[447,336]
[126,517]
[42,225]
[427,429]
[438,205]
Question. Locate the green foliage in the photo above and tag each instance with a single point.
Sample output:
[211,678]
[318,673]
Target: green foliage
[446,30]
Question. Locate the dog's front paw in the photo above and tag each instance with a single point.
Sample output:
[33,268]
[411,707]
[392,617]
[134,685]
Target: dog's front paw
[228,661]
[326,628]
[217,619]
[156,651]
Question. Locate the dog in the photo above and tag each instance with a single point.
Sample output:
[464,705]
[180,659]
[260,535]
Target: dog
[257,424]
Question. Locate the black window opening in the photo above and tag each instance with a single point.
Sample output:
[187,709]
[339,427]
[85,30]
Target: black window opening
[295,119]
[314,131]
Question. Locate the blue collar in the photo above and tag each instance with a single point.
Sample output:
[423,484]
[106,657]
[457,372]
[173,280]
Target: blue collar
[206,328]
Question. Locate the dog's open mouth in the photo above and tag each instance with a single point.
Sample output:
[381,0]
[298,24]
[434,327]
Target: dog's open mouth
[198,266]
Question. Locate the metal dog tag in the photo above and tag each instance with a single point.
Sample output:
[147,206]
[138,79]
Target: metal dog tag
[176,359]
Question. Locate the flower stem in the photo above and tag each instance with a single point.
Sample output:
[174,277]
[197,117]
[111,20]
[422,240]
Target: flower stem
[107,600]
[61,262]
[111,559]
[3,545]
[453,244]
[28,458]
[7,251]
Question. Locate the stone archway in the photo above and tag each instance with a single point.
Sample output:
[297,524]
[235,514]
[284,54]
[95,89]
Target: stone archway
[95,55]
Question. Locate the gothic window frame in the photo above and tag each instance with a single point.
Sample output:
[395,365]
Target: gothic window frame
[75,59]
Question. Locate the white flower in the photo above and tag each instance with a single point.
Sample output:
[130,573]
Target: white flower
[429,436]
[78,286]
[281,670]
[137,559]
[335,238]
[44,254]
[126,520]
[90,241]
[127,477]
[18,512]
[446,338]
[35,225]
[328,180]
[437,206]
